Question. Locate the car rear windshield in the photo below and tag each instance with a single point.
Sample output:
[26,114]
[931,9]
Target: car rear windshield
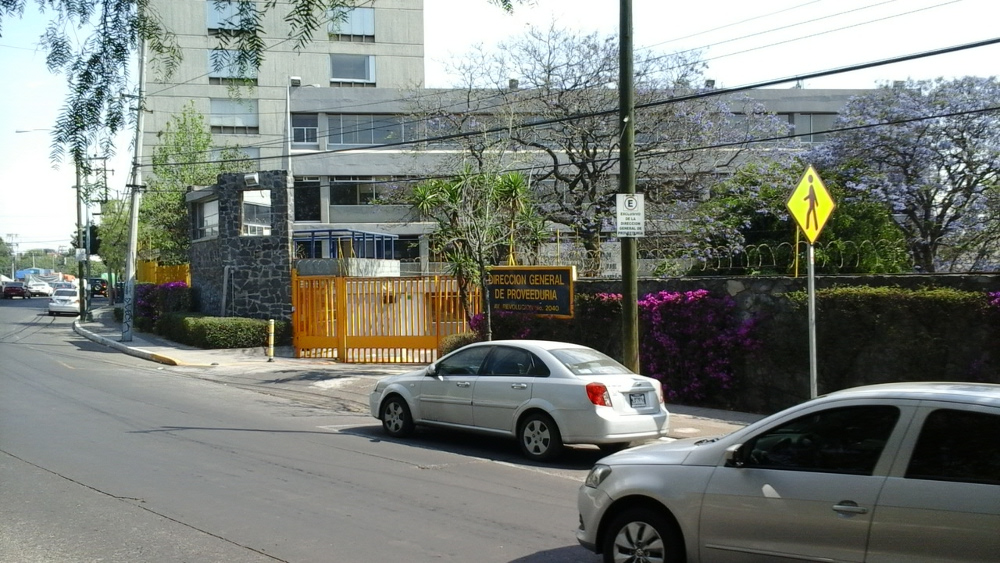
[65,293]
[586,361]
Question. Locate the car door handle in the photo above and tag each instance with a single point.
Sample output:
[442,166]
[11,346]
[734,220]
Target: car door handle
[518,385]
[849,507]
[463,384]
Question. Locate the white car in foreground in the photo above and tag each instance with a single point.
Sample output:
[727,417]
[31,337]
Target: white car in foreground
[64,302]
[895,472]
[545,394]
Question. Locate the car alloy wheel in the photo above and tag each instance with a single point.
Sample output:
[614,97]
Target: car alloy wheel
[396,418]
[539,437]
[640,535]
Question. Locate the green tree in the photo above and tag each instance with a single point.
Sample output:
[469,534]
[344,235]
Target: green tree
[183,158]
[98,66]
[927,153]
[482,220]
[115,221]
[744,228]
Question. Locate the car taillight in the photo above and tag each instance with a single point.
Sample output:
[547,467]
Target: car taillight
[598,394]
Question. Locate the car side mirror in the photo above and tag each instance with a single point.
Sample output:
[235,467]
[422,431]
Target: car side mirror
[432,371]
[735,455]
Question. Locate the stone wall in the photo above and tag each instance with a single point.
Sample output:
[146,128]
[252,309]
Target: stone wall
[234,275]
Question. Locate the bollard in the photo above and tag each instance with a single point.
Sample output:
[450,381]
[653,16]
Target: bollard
[270,340]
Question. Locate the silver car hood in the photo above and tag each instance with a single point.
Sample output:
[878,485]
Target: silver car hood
[660,452]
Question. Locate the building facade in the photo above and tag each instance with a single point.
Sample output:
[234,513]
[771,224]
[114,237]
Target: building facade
[336,117]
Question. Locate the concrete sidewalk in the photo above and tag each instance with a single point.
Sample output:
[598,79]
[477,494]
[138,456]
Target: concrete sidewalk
[331,383]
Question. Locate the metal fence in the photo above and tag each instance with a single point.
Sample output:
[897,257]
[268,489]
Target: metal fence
[392,320]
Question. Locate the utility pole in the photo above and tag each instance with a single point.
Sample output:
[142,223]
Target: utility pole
[128,307]
[11,238]
[626,185]
[80,248]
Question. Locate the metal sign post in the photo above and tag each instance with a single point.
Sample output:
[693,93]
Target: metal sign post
[811,206]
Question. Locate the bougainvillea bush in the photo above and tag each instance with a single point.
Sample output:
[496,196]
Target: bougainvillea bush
[695,344]
[152,301]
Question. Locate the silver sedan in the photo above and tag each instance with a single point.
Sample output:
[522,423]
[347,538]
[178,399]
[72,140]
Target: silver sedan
[896,472]
[545,394]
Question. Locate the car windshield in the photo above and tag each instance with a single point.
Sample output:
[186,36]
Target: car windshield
[587,361]
[65,293]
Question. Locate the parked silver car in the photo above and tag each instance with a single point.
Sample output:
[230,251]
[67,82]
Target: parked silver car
[545,394]
[897,472]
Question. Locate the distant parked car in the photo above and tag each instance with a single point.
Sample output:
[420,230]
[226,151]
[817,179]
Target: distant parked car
[98,286]
[65,301]
[40,289]
[544,394]
[16,289]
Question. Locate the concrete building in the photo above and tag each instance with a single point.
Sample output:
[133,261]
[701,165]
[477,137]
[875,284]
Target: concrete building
[321,115]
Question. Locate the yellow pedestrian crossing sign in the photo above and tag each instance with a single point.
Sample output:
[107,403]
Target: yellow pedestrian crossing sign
[811,204]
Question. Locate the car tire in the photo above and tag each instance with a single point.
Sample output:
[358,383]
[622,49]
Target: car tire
[641,534]
[539,437]
[396,418]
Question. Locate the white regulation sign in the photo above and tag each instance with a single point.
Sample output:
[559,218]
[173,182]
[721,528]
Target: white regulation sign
[631,216]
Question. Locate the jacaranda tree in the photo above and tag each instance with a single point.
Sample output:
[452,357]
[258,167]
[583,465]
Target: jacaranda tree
[929,152]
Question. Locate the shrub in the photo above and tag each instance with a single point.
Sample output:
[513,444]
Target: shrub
[145,313]
[695,344]
[453,342]
[202,331]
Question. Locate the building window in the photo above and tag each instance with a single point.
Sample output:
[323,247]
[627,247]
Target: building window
[356,25]
[206,219]
[256,213]
[305,129]
[224,69]
[363,190]
[407,248]
[307,200]
[222,15]
[352,70]
[811,127]
[366,129]
[234,117]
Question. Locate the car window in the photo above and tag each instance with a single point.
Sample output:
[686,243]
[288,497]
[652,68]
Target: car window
[957,446]
[587,361]
[464,362]
[842,440]
[65,293]
[512,361]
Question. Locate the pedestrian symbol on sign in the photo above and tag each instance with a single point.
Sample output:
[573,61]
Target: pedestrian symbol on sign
[810,204]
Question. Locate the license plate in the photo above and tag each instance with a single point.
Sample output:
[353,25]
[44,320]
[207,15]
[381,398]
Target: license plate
[637,400]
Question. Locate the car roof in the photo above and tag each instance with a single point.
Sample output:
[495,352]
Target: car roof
[982,393]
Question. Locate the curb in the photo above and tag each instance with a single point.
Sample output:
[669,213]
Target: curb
[137,352]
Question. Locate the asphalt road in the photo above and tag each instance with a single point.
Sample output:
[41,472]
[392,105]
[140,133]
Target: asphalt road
[107,457]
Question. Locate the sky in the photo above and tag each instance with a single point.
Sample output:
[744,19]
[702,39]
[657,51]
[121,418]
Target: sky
[743,43]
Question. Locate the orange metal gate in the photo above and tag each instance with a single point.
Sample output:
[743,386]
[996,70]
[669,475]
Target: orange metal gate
[398,320]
